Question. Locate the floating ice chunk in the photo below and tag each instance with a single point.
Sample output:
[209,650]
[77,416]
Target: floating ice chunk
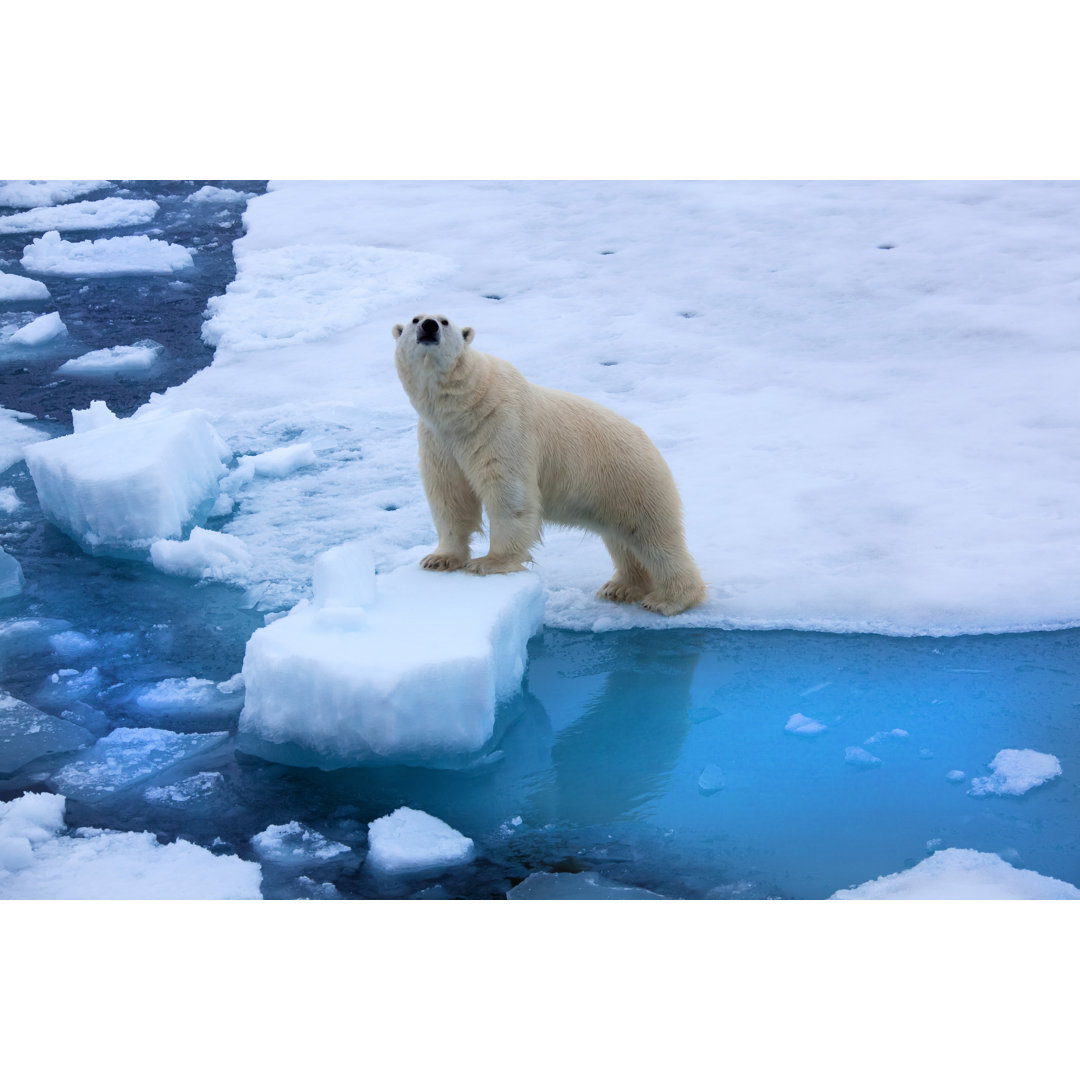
[67,685]
[863,759]
[25,194]
[296,845]
[70,644]
[18,287]
[15,437]
[584,886]
[11,575]
[37,862]
[962,874]
[803,725]
[711,780]
[210,194]
[1016,771]
[883,736]
[27,734]
[198,786]
[231,686]
[410,841]
[954,776]
[304,292]
[118,360]
[189,697]
[120,486]
[109,213]
[9,501]
[42,330]
[128,756]
[414,677]
[345,577]
[204,554]
[115,255]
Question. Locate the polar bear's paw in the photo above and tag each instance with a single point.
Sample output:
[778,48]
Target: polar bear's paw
[672,603]
[488,564]
[620,592]
[439,560]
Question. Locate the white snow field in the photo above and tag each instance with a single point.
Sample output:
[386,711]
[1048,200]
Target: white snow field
[118,360]
[116,485]
[26,194]
[404,667]
[865,390]
[82,216]
[114,255]
[962,874]
[411,841]
[41,860]
[18,287]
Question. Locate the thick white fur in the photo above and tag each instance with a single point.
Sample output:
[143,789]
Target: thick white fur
[529,454]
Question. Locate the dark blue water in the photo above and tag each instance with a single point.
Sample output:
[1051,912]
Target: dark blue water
[656,759]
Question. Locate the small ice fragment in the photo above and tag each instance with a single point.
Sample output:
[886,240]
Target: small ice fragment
[863,759]
[194,787]
[294,844]
[882,736]
[803,725]
[283,460]
[954,776]
[1016,771]
[17,287]
[118,360]
[711,780]
[205,554]
[410,841]
[27,734]
[116,255]
[42,330]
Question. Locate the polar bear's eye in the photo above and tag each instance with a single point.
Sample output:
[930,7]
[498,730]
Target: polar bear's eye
[445,322]
[416,320]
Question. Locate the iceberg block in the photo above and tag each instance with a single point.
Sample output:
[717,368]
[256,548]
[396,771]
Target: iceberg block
[118,486]
[413,677]
[27,734]
[583,886]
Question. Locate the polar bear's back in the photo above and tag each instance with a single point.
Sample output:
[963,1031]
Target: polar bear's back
[596,467]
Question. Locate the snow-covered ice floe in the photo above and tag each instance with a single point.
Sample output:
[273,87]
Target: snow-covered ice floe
[962,874]
[1014,772]
[82,216]
[116,486]
[40,859]
[25,194]
[401,667]
[204,554]
[208,193]
[411,841]
[294,844]
[134,359]
[39,331]
[11,575]
[18,287]
[831,371]
[116,255]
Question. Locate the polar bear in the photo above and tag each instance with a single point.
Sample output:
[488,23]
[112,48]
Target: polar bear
[527,454]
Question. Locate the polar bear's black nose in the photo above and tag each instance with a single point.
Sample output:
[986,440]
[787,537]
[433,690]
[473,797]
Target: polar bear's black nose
[429,331]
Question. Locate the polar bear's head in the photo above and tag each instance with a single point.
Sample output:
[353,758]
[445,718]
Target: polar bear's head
[433,338]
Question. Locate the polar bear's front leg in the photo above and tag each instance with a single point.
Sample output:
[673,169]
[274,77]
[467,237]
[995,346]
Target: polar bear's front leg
[513,507]
[455,507]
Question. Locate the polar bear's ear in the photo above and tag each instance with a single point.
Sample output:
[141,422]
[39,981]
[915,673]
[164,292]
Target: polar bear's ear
[398,330]
[468,334]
